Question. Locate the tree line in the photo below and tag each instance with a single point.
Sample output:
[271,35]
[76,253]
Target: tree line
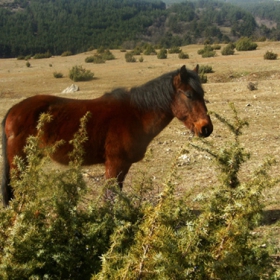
[30,27]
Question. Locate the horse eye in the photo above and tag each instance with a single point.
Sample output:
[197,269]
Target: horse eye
[189,94]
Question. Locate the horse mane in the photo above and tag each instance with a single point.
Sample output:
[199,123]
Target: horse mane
[158,93]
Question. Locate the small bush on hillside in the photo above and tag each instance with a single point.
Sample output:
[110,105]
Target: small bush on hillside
[78,73]
[141,59]
[207,51]
[216,47]
[28,57]
[107,55]
[137,50]
[270,55]
[162,54]
[21,57]
[245,44]
[58,75]
[89,59]
[203,78]
[183,55]
[129,57]
[97,59]
[67,53]
[42,55]
[205,69]
[149,50]
[28,64]
[174,50]
[228,50]
[208,54]
[101,50]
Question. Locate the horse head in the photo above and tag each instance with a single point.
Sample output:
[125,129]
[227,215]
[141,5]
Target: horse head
[188,104]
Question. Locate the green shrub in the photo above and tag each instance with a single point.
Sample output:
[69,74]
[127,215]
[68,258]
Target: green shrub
[107,55]
[78,73]
[162,54]
[141,59]
[42,55]
[67,53]
[208,54]
[28,64]
[270,55]
[100,50]
[174,50]
[58,75]
[205,69]
[97,59]
[245,44]
[52,230]
[137,50]
[183,55]
[203,78]
[172,243]
[228,50]
[129,57]
[89,59]
[149,50]
[207,51]
[216,47]
[21,57]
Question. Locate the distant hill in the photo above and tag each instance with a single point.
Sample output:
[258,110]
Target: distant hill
[38,26]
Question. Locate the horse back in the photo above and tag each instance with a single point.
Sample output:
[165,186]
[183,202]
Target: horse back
[113,127]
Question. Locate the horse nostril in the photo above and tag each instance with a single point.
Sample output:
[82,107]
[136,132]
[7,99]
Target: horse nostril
[206,131]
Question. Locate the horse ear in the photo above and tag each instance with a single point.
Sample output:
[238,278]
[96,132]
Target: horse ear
[196,69]
[183,73]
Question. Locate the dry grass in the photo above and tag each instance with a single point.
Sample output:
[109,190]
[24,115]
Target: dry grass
[228,83]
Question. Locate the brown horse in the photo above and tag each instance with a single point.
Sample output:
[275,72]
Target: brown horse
[121,125]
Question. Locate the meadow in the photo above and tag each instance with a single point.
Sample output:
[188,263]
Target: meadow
[227,84]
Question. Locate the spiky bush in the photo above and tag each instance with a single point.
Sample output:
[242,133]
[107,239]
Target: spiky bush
[53,231]
[216,47]
[171,242]
[183,55]
[107,55]
[228,49]
[57,75]
[174,50]
[149,50]
[129,57]
[207,51]
[205,69]
[78,73]
[42,55]
[97,59]
[162,54]
[245,44]
[203,78]
[270,55]
[67,53]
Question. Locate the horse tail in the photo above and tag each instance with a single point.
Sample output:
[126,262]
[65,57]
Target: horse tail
[7,191]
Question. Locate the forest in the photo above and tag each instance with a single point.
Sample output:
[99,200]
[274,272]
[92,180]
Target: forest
[30,27]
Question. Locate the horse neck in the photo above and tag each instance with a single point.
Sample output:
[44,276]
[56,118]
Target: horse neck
[154,122]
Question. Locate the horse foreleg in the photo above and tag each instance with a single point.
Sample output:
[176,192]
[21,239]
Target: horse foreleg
[118,170]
